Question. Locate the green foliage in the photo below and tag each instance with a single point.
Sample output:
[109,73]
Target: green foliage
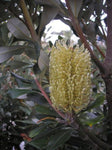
[23,108]
[18,29]
[10,111]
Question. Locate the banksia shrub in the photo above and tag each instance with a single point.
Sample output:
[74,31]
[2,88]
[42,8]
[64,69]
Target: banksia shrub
[70,81]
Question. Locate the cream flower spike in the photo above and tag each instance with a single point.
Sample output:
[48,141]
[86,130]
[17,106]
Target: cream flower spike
[70,82]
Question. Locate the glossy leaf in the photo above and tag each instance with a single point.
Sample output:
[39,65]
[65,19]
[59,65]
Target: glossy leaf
[18,29]
[93,121]
[37,130]
[26,122]
[15,93]
[45,110]
[39,143]
[20,78]
[90,31]
[4,33]
[7,52]
[43,60]
[16,64]
[38,99]
[59,139]
[96,103]
[75,6]
[26,110]
[31,52]
[48,14]
[47,131]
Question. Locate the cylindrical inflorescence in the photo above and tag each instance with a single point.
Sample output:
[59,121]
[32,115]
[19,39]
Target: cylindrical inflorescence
[70,81]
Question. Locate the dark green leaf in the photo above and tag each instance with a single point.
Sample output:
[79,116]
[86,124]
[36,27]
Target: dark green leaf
[4,33]
[96,103]
[31,52]
[48,14]
[39,143]
[98,7]
[59,139]
[26,110]
[16,64]
[15,93]
[75,6]
[21,78]
[45,110]
[8,51]
[43,131]
[37,98]
[93,121]
[43,60]
[18,29]
[26,122]
[37,130]
[90,31]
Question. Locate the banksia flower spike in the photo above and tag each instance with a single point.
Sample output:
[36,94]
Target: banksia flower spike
[70,81]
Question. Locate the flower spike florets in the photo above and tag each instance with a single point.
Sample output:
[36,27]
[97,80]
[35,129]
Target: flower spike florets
[70,81]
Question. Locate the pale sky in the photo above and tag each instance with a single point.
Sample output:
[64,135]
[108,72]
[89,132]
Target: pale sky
[56,27]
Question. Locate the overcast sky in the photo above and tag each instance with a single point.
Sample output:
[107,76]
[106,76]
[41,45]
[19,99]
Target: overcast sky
[56,27]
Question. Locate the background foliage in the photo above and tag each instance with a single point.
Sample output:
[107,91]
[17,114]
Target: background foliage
[25,113]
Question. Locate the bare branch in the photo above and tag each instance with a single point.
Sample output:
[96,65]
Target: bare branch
[28,20]
[99,50]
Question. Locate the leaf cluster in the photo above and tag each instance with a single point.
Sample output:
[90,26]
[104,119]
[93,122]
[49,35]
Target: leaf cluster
[21,101]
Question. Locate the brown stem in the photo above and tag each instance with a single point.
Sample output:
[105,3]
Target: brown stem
[99,50]
[108,83]
[108,59]
[83,38]
[97,47]
[28,20]
[108,63]
[48,99]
